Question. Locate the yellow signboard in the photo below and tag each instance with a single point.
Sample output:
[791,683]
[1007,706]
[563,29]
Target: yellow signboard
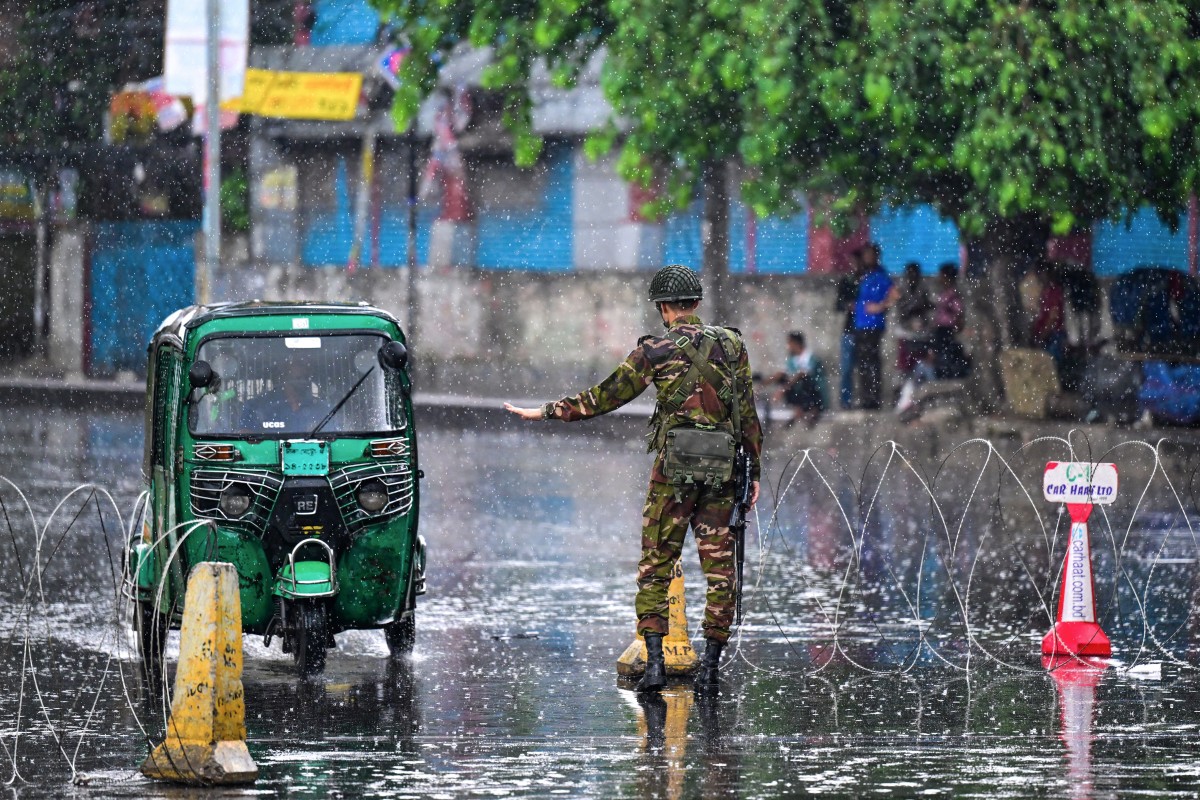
[300,95]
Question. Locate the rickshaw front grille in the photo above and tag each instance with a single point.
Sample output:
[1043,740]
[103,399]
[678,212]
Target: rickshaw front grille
[395,475]
[208,484]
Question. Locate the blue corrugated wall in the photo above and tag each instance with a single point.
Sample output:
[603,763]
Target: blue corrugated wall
[681,239]
[915,234]
[140,273]
[329,235]
[538,239]
[780,243]
[327,240]
[393,235]
[343,22]
[1117,249]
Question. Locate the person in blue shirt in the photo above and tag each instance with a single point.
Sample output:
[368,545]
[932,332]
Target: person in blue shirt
[876,294]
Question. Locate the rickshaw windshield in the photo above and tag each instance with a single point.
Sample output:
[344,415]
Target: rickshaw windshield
[286,385]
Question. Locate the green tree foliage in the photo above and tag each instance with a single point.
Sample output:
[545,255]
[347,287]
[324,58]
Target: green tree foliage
[519,35]
[235,201]
[1066,112]
[272,22]
[1062,112]
[70,56]
[693,83]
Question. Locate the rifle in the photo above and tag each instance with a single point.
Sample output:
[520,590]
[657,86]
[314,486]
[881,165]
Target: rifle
[737,523]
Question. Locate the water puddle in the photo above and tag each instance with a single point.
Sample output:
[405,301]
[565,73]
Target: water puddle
[891,644]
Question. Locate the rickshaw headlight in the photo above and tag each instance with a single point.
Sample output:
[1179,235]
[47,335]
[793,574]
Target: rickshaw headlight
[235,500]
[372,496]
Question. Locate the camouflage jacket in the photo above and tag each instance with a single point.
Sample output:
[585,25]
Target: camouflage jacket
[658,360]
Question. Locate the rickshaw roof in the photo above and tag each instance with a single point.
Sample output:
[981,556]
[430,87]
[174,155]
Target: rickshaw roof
[186,319]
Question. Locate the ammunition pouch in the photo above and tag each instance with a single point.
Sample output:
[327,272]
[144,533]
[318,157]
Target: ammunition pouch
[699,455]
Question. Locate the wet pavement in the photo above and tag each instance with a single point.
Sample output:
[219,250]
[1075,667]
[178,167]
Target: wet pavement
[894,616]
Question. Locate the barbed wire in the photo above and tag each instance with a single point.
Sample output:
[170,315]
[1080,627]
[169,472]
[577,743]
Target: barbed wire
[931,621]
[1043,582]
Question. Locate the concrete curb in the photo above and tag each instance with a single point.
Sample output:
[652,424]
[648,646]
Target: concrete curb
[128,395]
[81,392]
[927,435]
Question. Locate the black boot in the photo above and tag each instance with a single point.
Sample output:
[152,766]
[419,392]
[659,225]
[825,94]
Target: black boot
[656,667]
[655,709]
[706,681]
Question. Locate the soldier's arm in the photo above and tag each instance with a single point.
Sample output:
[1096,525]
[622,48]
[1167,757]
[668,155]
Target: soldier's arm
[628,380]
[752,434]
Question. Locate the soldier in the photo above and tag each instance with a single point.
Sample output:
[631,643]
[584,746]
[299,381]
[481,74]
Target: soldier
[705,410]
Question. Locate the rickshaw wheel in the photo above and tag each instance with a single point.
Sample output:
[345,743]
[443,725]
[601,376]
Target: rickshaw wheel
[309,637]
[401,635]
[151,628]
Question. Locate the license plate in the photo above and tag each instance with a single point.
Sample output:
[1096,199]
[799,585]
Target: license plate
[303,457]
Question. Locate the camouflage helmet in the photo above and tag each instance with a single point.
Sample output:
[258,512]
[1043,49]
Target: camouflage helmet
[674,283]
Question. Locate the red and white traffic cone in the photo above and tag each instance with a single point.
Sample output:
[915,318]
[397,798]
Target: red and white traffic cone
[1076,633]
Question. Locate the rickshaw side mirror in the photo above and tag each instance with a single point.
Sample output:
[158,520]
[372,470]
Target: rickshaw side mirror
[201,375]
[393,356]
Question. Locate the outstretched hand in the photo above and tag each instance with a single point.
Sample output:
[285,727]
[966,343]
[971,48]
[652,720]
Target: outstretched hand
[524,413]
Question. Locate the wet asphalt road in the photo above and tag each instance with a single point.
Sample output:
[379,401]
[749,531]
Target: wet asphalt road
[890,647]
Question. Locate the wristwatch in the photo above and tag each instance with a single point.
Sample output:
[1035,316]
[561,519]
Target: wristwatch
[548,410]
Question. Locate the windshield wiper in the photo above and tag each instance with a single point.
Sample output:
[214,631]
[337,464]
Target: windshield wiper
[340,403]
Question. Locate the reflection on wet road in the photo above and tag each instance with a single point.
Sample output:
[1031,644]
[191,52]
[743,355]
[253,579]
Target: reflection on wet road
[891,644]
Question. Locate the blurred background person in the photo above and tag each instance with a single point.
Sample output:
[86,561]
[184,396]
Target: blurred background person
[876,294]
[1049,330]
[912,318]
[948,321]
[801,383]
[847,296]
[1029,290]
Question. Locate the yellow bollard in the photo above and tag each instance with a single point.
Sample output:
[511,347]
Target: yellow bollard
[665,735]
[677,647]
[206,734]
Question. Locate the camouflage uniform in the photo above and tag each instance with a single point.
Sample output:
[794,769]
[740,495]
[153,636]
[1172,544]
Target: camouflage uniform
[669,509]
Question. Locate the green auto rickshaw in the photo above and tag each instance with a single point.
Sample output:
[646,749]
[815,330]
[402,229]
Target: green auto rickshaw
[280,439]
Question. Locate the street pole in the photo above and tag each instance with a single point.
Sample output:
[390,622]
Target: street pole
[362,202]
[212,156]
[1193,239]
[41,220]
[715,256]
[411,323]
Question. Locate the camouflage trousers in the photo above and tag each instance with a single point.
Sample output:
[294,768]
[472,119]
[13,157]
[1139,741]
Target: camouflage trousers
[665,521]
